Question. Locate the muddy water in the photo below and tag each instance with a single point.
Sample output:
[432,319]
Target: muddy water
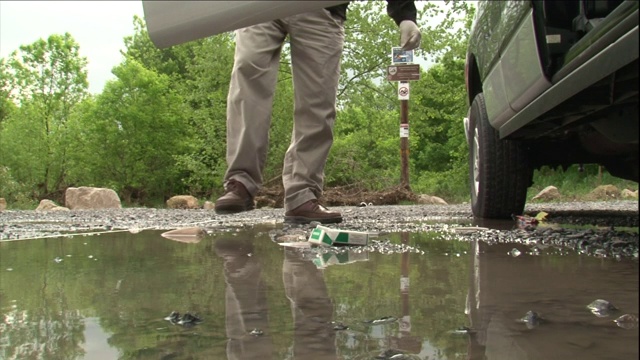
[106,297]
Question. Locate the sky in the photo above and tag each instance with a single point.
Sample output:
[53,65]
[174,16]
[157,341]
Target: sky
[99,27]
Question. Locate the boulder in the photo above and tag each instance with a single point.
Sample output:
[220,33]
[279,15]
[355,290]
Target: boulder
[604,192]
[48,205]
[549,193]
[3,204]
[208,205]
[183,202]
[430,200]
[185,235]
[85,197]
[626,193]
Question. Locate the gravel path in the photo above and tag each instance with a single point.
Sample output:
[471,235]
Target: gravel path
[604,240]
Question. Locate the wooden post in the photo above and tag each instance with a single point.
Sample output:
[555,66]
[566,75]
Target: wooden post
[404,144]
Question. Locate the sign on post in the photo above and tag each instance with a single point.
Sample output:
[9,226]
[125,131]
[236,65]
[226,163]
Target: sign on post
[399,56]
[403,90]
[403,72]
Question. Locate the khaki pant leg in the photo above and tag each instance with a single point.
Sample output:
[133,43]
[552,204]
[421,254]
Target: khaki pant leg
[250,101]
[312,309]
[317,39]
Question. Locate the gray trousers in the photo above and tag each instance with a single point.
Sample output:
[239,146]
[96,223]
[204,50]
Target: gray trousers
[316,40]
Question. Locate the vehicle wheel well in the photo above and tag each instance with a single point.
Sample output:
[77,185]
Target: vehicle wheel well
[475,84]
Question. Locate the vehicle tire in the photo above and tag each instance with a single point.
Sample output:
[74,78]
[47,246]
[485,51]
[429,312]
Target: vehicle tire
[499,172]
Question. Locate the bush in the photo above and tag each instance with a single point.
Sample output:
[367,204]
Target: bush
[16,194]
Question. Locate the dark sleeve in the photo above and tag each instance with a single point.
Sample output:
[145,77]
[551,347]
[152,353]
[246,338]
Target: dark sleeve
[402,10]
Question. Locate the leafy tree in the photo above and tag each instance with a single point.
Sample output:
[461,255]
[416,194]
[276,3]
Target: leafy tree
[6,88]
[132,133]
[206,84]
[172,61]
[438,141]
[46,79]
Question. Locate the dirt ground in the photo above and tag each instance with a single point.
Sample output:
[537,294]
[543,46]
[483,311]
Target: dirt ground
[341,196]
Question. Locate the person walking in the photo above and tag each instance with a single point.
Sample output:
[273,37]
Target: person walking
[316,40]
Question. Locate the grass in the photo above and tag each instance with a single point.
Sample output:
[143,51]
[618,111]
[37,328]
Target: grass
[575,185]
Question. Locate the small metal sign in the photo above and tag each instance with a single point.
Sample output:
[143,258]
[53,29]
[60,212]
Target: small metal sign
[403,72]
[399,56]
[403,90]
[404,130]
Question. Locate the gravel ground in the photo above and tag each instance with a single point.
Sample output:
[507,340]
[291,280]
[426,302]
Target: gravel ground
[605,239]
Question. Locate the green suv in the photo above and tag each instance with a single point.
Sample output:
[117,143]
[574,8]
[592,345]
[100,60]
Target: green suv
[549,83]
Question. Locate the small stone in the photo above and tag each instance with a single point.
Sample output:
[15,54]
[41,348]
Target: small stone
[515,252]
[382,320]
[627,321]
[339,326]
[601,308]
[174,317]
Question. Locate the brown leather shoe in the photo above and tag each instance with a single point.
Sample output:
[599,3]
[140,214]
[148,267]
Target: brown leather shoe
[236,199]
[312,211]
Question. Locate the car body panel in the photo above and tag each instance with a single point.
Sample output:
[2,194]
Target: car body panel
[497,101]
[617,55]
[522,67]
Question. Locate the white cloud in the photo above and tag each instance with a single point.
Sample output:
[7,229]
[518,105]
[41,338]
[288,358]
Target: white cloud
[98,26]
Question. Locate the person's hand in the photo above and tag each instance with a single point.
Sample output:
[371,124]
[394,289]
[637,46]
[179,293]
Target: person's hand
[409,35]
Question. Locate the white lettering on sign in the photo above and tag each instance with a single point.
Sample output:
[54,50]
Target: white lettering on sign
[404,130]
[403,90]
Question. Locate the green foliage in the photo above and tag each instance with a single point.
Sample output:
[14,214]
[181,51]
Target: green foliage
[46,80]
[14,192]
[131,134]
[173,61]
[6,87]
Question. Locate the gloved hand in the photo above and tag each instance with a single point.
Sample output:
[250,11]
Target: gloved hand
[409,35]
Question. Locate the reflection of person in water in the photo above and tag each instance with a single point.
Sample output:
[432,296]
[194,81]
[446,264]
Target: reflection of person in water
[245,301]
[311,308]
[246,305]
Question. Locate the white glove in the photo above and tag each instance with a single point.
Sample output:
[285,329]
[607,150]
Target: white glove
[409,35]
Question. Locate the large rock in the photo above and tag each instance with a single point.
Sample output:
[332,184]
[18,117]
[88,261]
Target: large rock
[549,193]
[208,205]
[3,204]
[430,200]
[85,197]
[48,205]
[183,202]
[604,192]
[626,193]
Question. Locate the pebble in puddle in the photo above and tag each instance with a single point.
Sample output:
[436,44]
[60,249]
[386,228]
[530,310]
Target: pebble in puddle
[382,320]
[463,330]
[601,308]
[339,326]
[531,319]
[187,320]
[627,321]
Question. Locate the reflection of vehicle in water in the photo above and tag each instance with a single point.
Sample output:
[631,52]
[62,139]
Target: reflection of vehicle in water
[556,291]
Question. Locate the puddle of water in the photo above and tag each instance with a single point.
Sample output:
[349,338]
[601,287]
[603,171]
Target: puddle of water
[105,297]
